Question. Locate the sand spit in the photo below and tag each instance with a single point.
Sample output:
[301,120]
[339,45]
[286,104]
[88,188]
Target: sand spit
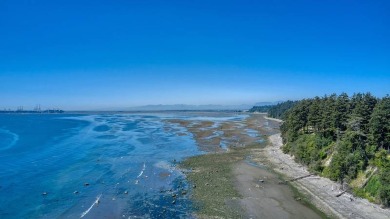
[321,191]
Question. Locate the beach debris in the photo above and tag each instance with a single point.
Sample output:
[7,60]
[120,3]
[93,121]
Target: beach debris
[173,202]
[301,177]
[173,195]
[341,193]
[184,192]
[44,193]
[76,192]
[126,192]
[262,181]
[86,184]
[194,186]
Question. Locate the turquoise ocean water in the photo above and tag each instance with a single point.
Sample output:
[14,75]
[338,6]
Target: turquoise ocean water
[93,166]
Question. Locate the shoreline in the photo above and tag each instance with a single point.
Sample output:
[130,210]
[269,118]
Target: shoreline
[236,183]
[321,191]
[273,119]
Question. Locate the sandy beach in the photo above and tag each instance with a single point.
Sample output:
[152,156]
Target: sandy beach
[264,197]
[237,183]
[249,179]
[321,191]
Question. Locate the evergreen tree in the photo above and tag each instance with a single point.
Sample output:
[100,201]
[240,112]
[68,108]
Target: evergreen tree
[341,113]
[351,133]
[315,114]
[328,116]
[380,124]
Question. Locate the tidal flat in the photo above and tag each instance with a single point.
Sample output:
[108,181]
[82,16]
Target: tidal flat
[236,181]
[150,165]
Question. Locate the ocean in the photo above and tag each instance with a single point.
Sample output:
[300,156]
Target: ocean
[94,166]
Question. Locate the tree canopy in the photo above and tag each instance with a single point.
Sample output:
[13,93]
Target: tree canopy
[342,138]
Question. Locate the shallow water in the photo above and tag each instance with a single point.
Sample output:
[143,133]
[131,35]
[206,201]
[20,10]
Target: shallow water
[94,166]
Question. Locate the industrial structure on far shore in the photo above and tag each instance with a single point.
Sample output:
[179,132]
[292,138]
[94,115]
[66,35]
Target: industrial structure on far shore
[37,109]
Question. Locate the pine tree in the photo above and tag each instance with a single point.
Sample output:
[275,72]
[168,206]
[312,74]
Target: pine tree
[315,114]
[342,110]
[380,124]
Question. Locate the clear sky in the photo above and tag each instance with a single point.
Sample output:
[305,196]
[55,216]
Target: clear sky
[104,53]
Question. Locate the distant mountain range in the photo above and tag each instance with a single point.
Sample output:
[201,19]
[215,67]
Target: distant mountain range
[267,103]
[161,107]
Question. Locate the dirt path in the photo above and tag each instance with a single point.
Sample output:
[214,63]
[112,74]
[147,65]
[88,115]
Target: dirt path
[321,191]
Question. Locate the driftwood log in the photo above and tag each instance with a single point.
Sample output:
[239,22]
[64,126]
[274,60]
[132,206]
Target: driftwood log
[301,177]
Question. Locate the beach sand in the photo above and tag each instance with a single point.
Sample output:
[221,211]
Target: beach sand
[249,180]
[264,197]
[321,191]
[234,183]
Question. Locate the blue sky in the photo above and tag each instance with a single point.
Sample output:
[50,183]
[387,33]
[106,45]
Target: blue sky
[99,54]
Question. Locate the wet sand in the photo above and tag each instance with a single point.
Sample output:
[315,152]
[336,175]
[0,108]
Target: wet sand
[264,197]
[234,183]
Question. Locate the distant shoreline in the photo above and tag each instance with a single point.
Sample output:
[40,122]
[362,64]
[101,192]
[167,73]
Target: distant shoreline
[120,112]
[33,112]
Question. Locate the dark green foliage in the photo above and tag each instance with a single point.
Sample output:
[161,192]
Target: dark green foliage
[341,112]
[362,106]
[315,114]
[383,161]
[279,110]
[384,191]
[379,125]
[260,109]
[350,132]
[306,148]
